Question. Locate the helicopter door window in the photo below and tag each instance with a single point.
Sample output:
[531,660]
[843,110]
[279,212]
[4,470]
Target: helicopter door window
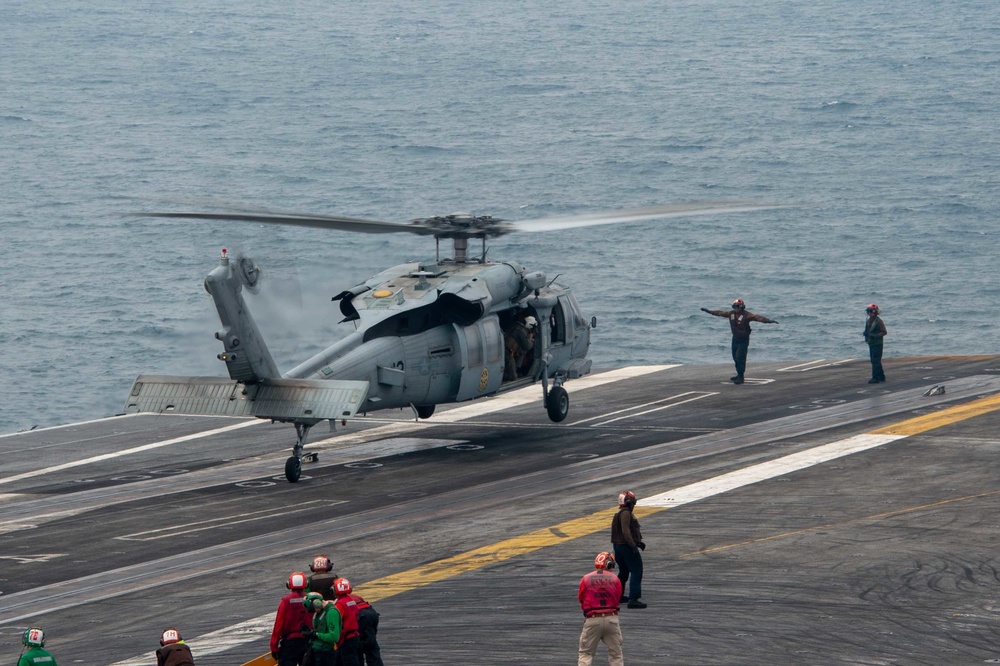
[557,323]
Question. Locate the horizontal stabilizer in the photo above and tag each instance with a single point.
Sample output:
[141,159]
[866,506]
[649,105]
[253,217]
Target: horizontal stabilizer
[278,399]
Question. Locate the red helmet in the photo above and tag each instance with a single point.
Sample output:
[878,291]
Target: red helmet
[169,636]
[626,497]
[871,309]
[296,581]
[342,586]
[738,303]
[321,563]
[604,561]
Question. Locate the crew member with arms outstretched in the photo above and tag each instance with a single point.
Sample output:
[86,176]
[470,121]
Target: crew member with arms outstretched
[599,595]
[739,322]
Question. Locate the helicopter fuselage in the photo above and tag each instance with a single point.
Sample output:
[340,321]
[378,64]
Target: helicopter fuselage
[434,333]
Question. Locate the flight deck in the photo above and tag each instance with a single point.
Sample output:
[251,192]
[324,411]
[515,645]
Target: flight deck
[803,517]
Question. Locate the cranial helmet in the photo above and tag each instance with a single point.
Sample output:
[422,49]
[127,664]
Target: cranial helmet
[604,561]
[296,581]
[872,308]
[34,637]
[738,303]
[530,321]
[626,498]
[321,563]
[314,601]
[169,636]
[342,586]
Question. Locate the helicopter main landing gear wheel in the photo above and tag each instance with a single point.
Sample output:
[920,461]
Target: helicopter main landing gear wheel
[557,404]
[293,469]
[293,466]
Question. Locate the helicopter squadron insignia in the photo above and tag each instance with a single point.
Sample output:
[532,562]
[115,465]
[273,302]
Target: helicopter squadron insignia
[484,379]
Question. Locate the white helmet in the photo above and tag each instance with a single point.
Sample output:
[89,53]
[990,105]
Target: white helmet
[530,321]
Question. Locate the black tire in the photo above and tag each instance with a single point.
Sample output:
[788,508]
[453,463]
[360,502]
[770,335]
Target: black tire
[557,404]
[293,469]
[425,411]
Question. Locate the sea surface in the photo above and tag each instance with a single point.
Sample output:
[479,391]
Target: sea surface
[879,123]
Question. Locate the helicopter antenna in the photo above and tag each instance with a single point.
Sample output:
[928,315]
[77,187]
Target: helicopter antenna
[553,280]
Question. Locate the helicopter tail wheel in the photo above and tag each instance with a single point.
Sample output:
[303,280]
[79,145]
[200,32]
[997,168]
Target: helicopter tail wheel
[425,411]
[557,404]
[293,469]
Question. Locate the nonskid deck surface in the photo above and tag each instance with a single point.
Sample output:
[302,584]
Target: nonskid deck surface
[803,517]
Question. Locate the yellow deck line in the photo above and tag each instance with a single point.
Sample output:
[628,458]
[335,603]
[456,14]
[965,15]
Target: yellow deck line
[920,424]
[507,549]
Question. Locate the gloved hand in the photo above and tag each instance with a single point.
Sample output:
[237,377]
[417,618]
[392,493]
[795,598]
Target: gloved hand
[704,309]
[774,321]
[635,549]
[642,545]
[309,634]
[274,655]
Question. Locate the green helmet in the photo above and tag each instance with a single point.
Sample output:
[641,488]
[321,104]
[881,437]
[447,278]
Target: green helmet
[314,601]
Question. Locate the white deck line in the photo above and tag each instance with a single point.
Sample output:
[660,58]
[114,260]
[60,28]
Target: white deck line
[259,628]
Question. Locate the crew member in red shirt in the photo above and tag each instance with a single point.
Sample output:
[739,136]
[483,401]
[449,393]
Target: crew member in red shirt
[599,595]
[349,645]
[288,643]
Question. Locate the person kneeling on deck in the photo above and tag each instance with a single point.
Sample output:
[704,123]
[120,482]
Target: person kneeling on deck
[599,595]
[325,633]
[173,651]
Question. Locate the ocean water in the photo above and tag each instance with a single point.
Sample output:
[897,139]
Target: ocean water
[878,122]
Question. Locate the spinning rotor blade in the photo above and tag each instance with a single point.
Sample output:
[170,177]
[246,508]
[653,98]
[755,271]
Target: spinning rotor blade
[303,220]
[636,215]
[464,225]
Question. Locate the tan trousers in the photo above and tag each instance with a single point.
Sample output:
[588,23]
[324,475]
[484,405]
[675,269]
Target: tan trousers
[601,628]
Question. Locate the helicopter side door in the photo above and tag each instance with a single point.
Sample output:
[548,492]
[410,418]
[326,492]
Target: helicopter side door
[482,356]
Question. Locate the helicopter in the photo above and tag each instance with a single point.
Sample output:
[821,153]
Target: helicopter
[426,333]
